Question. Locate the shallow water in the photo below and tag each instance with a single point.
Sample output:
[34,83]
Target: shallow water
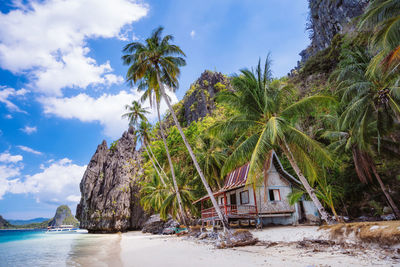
[36,248]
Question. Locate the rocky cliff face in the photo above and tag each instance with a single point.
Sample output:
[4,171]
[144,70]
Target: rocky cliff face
[198,101]
[326,19]
[4,223]
[63,216]
[109,188]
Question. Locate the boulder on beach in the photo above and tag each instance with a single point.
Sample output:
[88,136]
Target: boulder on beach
[156,225]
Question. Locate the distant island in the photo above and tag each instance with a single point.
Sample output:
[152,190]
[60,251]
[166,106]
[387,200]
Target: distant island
[62,216]
[30,221]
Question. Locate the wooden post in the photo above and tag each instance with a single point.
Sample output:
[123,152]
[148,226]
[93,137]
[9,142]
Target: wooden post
[255,199]
[226,209]
[201,212]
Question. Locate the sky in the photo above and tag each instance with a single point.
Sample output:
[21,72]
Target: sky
[62,88]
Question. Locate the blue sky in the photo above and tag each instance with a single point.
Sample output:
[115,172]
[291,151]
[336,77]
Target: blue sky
[61,78]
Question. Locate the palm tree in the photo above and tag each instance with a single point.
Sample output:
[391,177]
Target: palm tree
[143,134]
[382,17]
[136,113]
[366,95]
[153,194]
[159,61]
[212,153]
[170,204]
[352,140]
[265,116]
[370,106]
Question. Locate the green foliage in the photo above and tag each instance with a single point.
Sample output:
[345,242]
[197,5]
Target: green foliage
[113,146]
[376,207]
[340,131]
[295,196]
[325,60]
[219,87]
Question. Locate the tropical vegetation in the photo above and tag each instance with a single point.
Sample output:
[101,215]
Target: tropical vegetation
[338,134]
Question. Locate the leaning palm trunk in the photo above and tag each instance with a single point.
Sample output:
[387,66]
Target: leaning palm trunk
[196,164]
[154,165]
[158,164]
[171,168]
[388,197]
[309,189]
[364,164]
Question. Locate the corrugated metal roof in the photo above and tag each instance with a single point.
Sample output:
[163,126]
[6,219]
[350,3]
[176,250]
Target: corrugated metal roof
[236,178]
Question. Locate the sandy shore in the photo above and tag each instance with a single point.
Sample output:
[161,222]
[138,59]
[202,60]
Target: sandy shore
[280,247]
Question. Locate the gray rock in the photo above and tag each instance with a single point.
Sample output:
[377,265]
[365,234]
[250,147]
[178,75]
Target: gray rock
[171,223]
[109,188]
[236,239]
[154,225]
[387,210]
[202,236]
[326,19]
[388,217]
[63,216]
[199,100]
[4,223]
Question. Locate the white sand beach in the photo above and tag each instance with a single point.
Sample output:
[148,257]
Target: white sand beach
[137,250]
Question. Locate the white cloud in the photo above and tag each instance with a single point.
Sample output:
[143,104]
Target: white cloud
[29,130]
[192,34]
[8,158]
[29,150]
[47,40]
[59,183]
[107,109]
[6,93]
[8,116]
[10,166]
[74,198]
[6,172]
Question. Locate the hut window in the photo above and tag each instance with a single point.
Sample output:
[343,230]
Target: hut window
[274,195]
[244,197]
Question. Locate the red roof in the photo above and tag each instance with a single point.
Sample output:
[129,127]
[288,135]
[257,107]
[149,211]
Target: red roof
[236,178]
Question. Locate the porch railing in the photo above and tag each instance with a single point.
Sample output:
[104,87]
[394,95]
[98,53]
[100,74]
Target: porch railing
[230,211]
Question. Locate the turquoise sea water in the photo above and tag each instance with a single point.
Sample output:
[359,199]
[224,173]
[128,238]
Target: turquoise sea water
[36,248]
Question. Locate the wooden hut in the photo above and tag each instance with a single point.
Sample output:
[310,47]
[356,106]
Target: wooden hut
[266,202]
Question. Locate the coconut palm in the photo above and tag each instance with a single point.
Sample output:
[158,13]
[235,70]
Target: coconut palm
[159,61]
[136,113]
[142,71]
[170,204]
[212,153]
[382,17]
[352,140]
[265,116]
[370,106]
[366,96]
[153,194]
[143,132]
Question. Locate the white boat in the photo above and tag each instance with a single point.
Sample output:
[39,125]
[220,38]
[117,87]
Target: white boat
[64,229]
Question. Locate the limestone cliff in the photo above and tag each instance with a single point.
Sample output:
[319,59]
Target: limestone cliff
[109,188]
[4,223]
[326,19]
[198,101]
[63,216]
